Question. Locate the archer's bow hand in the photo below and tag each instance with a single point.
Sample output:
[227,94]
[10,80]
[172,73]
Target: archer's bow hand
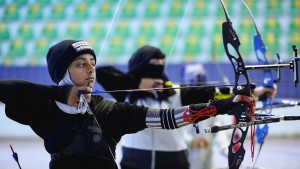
[225,105]
[74,95]
[199,112]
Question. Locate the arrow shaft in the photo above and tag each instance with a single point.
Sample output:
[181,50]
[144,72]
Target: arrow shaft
[152,89]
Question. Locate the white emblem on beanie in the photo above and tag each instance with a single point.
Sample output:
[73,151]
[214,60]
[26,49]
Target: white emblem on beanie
[82,105]
[81,45]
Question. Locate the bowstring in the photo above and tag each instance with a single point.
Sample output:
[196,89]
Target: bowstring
[109,28]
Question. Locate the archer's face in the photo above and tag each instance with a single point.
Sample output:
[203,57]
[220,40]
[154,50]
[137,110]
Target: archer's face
[155,61]
[82,70]
[152,75]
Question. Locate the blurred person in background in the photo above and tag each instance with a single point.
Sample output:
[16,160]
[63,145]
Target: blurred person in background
[201,147]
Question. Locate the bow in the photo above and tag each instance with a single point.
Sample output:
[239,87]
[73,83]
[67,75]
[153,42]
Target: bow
[236,159]
[241,112]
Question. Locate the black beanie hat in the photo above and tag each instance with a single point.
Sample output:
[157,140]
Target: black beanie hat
[139,66]
[140,59]
[62,54]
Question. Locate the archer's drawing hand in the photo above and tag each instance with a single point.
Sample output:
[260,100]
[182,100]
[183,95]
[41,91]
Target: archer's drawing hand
[73,98]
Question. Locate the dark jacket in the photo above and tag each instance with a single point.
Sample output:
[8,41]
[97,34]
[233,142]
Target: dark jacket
[75,141]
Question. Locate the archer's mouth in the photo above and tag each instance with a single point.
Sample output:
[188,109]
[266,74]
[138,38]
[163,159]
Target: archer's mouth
[90,80]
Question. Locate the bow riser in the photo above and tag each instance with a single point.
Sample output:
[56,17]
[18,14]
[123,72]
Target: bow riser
[230,38]
[236,148]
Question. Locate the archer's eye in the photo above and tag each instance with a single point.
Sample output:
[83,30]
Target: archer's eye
[154,61]
[81,64]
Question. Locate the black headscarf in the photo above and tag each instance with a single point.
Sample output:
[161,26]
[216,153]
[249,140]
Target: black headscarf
[138,67]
